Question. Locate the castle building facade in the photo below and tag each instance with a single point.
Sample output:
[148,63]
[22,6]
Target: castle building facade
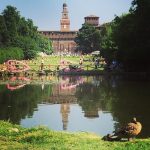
[63,40]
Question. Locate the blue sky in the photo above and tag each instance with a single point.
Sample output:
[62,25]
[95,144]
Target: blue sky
[46,14]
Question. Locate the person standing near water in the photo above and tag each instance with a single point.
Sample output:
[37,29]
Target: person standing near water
[42,64]
[81,60]
[96,63]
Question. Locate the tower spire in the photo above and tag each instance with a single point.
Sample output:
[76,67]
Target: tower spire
[65,21]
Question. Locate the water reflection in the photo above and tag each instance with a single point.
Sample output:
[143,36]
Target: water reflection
[17,82]
[93,103]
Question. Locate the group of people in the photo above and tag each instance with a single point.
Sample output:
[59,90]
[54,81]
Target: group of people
[99,62]
[16,66]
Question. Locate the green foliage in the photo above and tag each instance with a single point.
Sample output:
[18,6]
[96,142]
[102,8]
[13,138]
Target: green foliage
[23,28]
[10,53]
[29,45]
[122,37]
[108,46]
[3,31]
[131,34]
[11,17]
[16,31]
[45,44]
[88,39]
[30,54]
[127,38]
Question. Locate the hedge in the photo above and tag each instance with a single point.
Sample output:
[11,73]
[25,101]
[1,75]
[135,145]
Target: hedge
[10,53]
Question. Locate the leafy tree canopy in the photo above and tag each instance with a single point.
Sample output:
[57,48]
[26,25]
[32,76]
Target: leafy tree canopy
[88,39]
[16,31]
[108,45]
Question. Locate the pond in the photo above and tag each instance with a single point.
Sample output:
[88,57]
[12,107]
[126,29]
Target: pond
[98,104]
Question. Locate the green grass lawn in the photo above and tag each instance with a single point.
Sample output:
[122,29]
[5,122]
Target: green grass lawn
[51,62]
[14,137]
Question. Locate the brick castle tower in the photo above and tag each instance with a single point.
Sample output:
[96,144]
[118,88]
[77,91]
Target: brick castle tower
[65,21]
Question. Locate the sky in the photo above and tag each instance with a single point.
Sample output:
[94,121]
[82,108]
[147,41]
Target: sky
[46,14]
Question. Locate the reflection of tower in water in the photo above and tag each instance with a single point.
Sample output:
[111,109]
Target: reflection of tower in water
[65,110]
[63,93]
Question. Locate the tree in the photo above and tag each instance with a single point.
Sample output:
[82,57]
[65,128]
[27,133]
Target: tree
[45,44]
[123,35]
[141,13]
[32,29]
[3,31]
[108,45]
[88,39]
[23,28]
[131,34]
[12,17]
[29,46]
[16,31]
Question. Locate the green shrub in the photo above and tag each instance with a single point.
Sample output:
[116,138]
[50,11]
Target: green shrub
[30,54]
[11,53]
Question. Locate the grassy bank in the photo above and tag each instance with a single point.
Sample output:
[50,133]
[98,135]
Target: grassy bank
[51,62]
[14,137]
